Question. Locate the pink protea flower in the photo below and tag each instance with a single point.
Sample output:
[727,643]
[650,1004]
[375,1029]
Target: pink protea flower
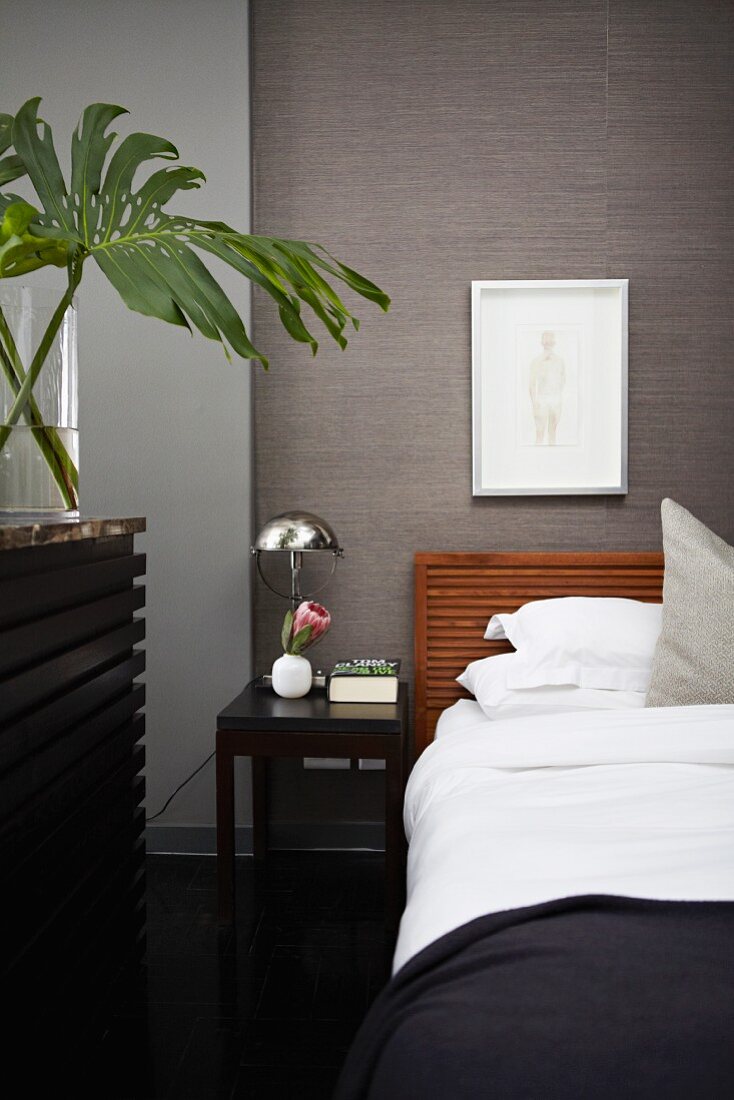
[304,627]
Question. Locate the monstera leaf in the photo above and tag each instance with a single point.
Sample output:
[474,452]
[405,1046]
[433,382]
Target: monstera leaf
[20,250]
[150,256]
[153,258]
[12,167]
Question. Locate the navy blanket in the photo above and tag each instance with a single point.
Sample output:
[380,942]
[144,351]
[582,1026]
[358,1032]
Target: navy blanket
[600,998]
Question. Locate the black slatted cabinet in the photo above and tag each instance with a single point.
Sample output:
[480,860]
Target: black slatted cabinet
[71,762]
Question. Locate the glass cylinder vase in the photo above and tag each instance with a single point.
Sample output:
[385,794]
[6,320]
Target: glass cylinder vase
[39,428]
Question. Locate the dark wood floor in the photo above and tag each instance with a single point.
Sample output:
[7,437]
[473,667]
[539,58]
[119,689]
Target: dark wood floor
[262,1012]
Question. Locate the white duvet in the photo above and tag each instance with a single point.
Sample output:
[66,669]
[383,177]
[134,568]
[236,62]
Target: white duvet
[515,812]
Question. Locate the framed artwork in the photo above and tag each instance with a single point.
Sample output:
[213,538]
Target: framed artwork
[549,386]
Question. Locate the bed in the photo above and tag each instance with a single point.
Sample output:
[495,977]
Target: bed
[569,930]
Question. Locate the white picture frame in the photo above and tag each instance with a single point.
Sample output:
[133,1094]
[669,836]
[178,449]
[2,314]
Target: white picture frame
[549,386]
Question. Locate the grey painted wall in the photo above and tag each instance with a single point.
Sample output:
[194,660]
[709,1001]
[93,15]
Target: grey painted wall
[165,421]
[432,142]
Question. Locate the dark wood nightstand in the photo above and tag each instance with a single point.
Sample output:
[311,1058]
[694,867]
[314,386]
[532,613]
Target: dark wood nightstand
[259,724]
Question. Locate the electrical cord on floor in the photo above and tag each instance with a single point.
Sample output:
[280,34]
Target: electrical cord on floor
[180,788]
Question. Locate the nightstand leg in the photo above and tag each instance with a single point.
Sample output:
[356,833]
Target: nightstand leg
[259,807]
[225,835]
[394,842]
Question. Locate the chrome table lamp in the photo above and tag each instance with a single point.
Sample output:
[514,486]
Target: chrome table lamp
[296,533]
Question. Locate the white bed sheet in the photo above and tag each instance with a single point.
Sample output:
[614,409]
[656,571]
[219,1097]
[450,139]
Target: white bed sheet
[502,814]
[464,714]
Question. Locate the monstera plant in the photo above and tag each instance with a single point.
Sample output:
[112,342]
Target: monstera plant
[152,257]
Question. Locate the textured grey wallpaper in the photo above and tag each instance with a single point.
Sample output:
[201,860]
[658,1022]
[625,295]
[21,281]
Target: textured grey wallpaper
[432,143]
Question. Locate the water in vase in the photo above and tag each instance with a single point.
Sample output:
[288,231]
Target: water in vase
[32,475]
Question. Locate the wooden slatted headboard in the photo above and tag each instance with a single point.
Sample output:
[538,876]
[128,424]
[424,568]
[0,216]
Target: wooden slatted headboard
[456,593]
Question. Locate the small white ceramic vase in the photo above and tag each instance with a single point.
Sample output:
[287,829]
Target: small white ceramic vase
[291,676]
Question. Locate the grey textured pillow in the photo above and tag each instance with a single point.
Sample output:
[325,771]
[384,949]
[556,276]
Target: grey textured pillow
[694,656]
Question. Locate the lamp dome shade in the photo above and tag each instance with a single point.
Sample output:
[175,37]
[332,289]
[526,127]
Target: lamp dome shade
[296,531]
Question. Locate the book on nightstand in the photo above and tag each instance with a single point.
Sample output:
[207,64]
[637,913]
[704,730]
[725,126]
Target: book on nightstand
[367,680]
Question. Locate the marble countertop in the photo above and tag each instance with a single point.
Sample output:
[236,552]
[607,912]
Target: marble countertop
[17,532]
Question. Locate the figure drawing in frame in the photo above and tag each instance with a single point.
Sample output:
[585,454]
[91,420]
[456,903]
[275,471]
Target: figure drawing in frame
[549,386]
[547,383]
[547,395]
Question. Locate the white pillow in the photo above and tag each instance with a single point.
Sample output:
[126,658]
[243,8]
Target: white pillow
[488,681]
[603,642]
[495,631]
